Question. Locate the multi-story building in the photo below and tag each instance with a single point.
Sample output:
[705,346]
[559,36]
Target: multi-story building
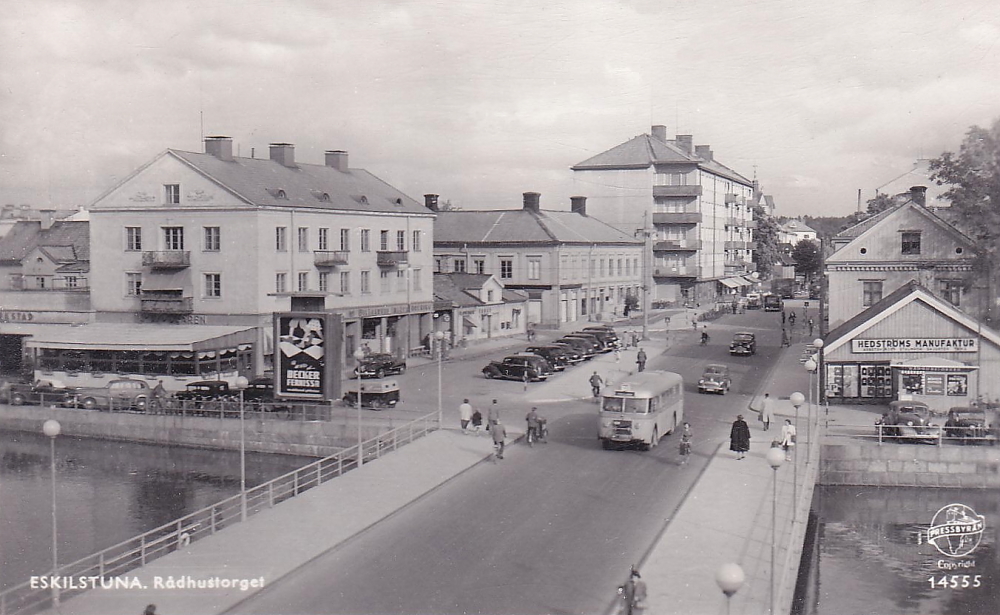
[794,231]
[699,211]
[215,239]
[573,266]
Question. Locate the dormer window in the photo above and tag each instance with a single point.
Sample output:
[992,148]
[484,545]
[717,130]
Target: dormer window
[277,193]
[325,197]
[281,194]
[910,243]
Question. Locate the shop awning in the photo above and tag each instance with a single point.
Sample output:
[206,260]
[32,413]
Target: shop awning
[750,280]
[468,322]
[116,336]
[742,281]
[729,282]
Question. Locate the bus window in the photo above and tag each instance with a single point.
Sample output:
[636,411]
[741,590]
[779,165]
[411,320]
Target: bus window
[612,404]
[628,405]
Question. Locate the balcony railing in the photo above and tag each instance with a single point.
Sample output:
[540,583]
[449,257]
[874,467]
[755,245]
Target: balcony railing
[691,191]
[751,245]
[392,259]
[677,217]
[65,283]
[330,258]
[736,245]
[167,305]
[167,259]
[667,271]
[677,244]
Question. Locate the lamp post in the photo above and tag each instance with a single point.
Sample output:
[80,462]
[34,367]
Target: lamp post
[241,384]
[810,366]
[797,400]
[52,428]
[775,457]
[358,356]
[439,336]
[729,578]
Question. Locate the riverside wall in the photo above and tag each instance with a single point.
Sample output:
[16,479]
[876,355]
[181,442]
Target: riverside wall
[910,465]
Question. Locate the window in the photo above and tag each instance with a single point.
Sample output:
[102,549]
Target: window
[172,194]
[489,295]
[40,282]
[303,239]
[366,240]
[345,282]
[416,280]
[324,281]
[133,284]
[910,243]
[213,284]
[619,267]
[416,241]
[279,283]
[635,265]
[479,265]
[366,282]
[303,281]
[871,292]
[133,238]
[401,241]
[324,239]
[628,267]
[601,274]
[71,281]
[213,239]
[951,291]
[280,239]
[345,239]
[386,283]
[401,280]
[173,237]
[506,268]
[384,241]
[534,268]
[437,266]
[459,265]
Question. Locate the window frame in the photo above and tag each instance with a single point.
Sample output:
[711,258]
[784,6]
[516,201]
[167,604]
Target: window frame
[366,240]
[212,288]
[212,241]
[173,236]
[171,194]
[281,239]
[133,239]
[907,245]
[323,239]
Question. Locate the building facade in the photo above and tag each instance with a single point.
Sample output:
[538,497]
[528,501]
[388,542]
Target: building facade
[478,308]
[572,266]
[794,231]
[700,212]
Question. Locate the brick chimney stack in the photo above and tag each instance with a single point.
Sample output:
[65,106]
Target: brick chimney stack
[531,201]
[704,152]
[283,154]
[578,205]
[431,202]
[337,158]
[918,194]
[685,142]
[659,132]
[220,146]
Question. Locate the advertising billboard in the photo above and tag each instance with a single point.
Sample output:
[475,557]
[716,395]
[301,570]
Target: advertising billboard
[307,355]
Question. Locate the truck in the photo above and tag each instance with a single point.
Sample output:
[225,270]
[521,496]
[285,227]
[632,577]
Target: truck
[783,287]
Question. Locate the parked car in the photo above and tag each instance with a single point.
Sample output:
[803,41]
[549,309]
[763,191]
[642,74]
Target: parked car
[569,355]
[608,337]
[753,301]
[39,393]
[122,394]
[744,343]
[584,347]
[556,356]
[375,394]
[909,420]
[968,423]
[596,343]
[379,365]
[715,379]
[259,390]
[206,390]
[519,367]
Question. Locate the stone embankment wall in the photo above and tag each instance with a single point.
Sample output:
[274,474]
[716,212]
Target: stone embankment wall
[910,465]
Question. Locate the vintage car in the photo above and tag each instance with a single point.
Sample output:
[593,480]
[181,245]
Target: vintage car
[519,367]
[607,336]
[259,390]
[968,423]
[43,392]
[557,356]
[596,343]
[744,344]
[379,365]
[715,379]
[207,390]
[375,394]
[753,301]
[582,346]
[773,303]
[122,394]
[908,420]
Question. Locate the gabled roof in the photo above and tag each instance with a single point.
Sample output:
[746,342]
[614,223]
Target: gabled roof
[862,228]
[446,288]
[908,293]
[59,254]
[786,259]
[859,228]
[27,235]
[797,226]
[522,226]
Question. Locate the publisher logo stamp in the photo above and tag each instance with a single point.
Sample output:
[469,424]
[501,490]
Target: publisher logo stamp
[956,530]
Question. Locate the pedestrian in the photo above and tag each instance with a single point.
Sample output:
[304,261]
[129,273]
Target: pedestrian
[685,445]
[618,355]
[477,421]
[739,437]
[811,325]
[634,593]
[499,433]
[595,385]
[788,438]
[635,339]
[734,307]
[766,410]
[784,338]
[492,415]
[465,414]
[782,319]
[149,610]
[640,359]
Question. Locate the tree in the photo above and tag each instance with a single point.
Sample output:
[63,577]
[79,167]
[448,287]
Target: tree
[974,179]
[880,203]
[808,260]
[766,236]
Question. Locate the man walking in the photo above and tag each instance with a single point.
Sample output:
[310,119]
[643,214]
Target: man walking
[766,410]
[640,359]
[499,434]
[595,385]
[493,415]
[739,437]
[465,414]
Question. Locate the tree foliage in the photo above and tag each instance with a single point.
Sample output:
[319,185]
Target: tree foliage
[880,203]
[808,260]
[765,255]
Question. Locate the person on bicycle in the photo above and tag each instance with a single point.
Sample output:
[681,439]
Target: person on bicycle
[595,385]
[534,425]
[704,337]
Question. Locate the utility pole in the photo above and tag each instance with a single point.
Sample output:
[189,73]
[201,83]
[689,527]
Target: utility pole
[646,277]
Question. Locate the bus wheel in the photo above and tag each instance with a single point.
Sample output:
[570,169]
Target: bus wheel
[606,445]
[656,438]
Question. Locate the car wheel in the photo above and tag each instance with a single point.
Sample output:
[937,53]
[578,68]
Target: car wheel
[380,373]
[488,373]
[89,403]
[402,369]
[377,404]
[17,399]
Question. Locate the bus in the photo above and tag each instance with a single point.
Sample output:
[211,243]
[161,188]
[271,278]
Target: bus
[641,409]
[773,303]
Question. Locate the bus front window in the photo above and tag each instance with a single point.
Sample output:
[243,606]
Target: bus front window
[612,404]
[636,406]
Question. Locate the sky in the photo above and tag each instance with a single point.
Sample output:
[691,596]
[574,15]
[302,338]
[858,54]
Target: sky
[481,101]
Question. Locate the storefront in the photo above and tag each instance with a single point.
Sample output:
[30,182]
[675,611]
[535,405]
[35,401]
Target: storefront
[911,345]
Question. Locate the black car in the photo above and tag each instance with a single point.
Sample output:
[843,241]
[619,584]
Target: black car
[596,343]
[607,336]
[380,365]
[259,390]
[582,346]
[909,420]
[744,343]
[39,393]
[519,367]
[557,357]
[967,423]
[207,390]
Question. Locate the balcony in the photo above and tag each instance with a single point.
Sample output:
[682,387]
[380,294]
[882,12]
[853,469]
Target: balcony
[751,245]
[735,245]
[677,217]
[732,199]
[677,272]
[677,244]
[751,224]
[392,259]
[167,305]
[330,258]
[691,191]
[167,259]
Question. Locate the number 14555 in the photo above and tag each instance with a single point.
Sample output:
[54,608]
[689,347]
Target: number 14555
[956,581]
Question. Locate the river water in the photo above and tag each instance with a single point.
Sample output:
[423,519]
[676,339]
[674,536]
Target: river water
[866,553]
[106,492]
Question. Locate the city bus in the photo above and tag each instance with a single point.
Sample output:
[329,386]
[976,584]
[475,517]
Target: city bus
[641,409]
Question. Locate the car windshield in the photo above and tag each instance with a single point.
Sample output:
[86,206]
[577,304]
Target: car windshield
[628,405]
[743,337]
[964,416]
[714,370]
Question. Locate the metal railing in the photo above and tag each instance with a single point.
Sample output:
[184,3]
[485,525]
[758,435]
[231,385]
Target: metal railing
[936,434]
[148,546]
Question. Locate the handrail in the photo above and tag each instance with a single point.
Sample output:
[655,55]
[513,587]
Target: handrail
[148,546]
[938,433]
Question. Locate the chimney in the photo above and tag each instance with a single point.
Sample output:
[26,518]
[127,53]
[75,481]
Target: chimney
[431,202]
[48,217]
[918,194]
[685,142]
[578,204]
[531,201]
[659,132]
[283,154]
[337,158]
[219,146]
[704,152]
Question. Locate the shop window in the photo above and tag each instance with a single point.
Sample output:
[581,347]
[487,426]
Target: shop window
[910,243]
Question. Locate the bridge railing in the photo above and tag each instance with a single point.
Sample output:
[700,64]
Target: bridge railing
[934,434]
[179,533]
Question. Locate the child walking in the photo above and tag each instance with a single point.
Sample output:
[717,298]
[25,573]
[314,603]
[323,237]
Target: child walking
[686,444]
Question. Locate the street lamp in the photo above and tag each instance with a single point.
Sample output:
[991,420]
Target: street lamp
[729,578]
[775,457]
[439,336]
[52,428]
[797,400]
[810,366]
[241,384]
[358,356]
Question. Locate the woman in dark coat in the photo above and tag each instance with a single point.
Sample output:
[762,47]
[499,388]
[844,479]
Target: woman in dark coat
[739,437]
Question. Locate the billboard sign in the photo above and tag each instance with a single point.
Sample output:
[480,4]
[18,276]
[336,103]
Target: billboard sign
[306,355]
